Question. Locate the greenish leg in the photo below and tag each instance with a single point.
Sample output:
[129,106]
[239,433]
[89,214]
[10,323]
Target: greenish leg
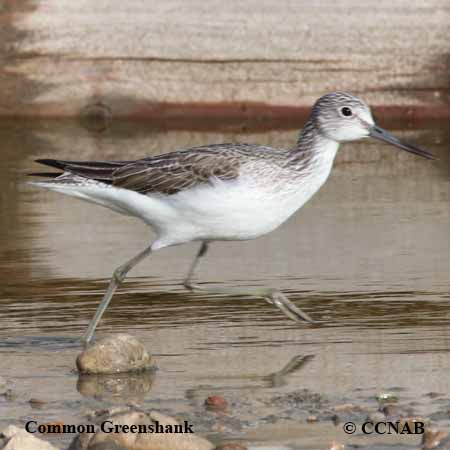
[116,280]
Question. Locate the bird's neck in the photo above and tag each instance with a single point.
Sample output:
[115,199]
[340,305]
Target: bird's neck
[313,147]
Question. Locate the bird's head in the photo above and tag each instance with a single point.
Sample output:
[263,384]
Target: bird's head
[342,117]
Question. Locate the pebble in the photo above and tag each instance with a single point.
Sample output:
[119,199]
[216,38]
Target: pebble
[15,438]
[114,354]
[336,446]
[311,419]
[336,419]
[216,403]
[36,403]
[231,446]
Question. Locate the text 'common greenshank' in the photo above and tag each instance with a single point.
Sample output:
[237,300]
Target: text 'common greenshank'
[220,192]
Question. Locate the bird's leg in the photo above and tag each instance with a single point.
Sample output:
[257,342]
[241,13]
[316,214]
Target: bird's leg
[187,283]
[272,296]
[116,280]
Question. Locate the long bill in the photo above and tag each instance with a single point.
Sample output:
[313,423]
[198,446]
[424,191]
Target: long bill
[378,133]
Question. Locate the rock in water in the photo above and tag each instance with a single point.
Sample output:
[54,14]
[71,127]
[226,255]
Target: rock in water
[114,354]
[15,438]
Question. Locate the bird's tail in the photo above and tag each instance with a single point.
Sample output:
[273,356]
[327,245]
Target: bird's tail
[89,181]
[94,170]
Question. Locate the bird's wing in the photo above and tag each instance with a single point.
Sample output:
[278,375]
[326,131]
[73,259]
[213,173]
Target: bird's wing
[173,172]
[167,174]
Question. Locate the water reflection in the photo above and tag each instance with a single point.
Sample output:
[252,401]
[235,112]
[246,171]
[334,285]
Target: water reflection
[247,382]
[119,388]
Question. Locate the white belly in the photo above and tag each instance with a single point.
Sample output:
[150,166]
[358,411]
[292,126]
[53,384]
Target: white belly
[231,210]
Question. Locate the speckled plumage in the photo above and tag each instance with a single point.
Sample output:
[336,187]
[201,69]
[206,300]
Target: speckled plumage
[177,171]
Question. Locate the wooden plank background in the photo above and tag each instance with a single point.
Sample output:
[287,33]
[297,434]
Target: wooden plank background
[171,58]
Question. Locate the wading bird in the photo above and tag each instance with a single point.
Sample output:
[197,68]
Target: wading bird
[221,192]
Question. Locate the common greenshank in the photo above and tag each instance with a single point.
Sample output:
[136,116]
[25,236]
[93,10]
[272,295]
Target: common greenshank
[221,192]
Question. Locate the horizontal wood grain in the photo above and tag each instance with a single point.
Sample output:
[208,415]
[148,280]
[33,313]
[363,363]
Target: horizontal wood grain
[169,58]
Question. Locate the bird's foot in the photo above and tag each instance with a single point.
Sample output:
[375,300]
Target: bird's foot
[279,300]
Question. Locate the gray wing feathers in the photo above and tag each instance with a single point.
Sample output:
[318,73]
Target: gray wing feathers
[168,173]
[171,174]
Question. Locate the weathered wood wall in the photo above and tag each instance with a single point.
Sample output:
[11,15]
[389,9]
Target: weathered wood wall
[167,58]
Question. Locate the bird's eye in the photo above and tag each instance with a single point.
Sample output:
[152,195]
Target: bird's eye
[346,111]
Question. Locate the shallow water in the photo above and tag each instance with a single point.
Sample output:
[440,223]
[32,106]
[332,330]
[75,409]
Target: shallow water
[368,256]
